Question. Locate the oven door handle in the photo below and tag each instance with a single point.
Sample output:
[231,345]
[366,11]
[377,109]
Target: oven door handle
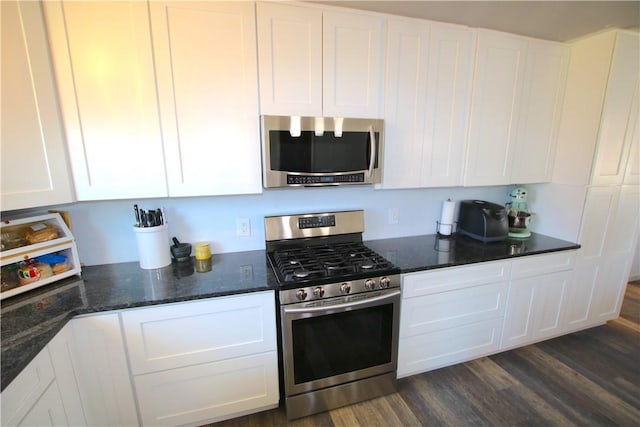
[372,158]
[354,304]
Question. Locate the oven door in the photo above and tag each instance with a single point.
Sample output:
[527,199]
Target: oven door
[341,340]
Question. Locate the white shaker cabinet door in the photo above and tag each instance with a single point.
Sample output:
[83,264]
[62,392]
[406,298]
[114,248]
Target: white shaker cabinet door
[205,55]
[619,113]
[34,163]
[534,309]
[353,46]
[104,381]
[47,411]
[500,64]
[104,68]
[290,58]
[427,93]
[63,352]
[540,112]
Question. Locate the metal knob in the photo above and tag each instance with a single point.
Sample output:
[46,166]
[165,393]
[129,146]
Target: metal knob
[385,282]
[369,284]
[301,295]
[345,288]
[318,292]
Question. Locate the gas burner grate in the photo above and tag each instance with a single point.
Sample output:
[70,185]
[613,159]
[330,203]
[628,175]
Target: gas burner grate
[322,261]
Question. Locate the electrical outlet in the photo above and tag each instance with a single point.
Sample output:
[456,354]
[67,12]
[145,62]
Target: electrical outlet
[243,227]
[394,215]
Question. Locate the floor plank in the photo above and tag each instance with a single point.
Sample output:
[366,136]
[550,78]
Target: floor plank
[591,377]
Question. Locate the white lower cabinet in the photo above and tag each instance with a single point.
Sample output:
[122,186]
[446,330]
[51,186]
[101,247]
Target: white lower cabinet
[209,392]
[451,315]
[103,372]
[204,361]
[32,394]
[457,314]
[63,353]
[534,309]
[537,297]
[47,411]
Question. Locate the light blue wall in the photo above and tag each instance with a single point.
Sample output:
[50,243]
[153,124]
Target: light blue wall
[104,233]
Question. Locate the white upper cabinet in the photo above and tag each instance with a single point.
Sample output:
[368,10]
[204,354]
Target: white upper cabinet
[34,164]
[205,56]
[516,106]
[290,52]
[353,64]
[500,63]
[104,68]
[618,136]
[320,62]
[428,80]
[541,109]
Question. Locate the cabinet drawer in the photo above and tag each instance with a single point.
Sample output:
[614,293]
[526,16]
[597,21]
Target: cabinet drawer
[425,352]
[447,279]
[542,264]
[25,390]
[176,335]
[210,392]
[454,308]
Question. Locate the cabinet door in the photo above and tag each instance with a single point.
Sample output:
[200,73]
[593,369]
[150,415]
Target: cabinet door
[26,389]
[210,392]
[63,353]
[500,64]
[619,113]
[589,273]
[541,108]
[205,56]
[426,103]
[353,46]
[420,353]
[183,334]
[534,308]
[48,410]
[619,248]
[104,381]
[290,57]
[104,69]
[34,164]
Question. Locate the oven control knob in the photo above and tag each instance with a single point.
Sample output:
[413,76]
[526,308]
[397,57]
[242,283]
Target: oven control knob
[301,295]
[345,288]
[385,282]
[318,292]
[369,284]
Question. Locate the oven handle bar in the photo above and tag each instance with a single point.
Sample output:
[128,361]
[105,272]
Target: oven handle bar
[364,301]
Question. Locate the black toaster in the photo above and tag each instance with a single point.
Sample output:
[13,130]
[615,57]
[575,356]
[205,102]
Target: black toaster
[484,221]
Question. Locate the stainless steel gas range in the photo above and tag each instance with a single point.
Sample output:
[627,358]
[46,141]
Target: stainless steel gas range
[339,311]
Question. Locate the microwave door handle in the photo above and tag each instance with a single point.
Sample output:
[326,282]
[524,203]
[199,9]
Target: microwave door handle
[372,159]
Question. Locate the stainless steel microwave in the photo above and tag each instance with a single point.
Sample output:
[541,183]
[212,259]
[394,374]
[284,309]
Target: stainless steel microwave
[320,151]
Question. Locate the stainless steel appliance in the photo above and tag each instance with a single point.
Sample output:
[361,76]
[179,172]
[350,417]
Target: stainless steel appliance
[339,311]
[484,221]
[319,151]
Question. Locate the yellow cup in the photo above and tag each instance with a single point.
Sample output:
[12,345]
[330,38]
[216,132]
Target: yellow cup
[202,250]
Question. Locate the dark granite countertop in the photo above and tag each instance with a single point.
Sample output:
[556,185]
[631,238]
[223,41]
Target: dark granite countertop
[427,252]
[29,321]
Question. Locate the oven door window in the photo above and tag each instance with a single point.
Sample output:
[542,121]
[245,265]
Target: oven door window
[344,342]
[309,153]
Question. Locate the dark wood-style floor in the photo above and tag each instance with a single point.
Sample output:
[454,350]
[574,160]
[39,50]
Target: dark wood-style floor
[591,377]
